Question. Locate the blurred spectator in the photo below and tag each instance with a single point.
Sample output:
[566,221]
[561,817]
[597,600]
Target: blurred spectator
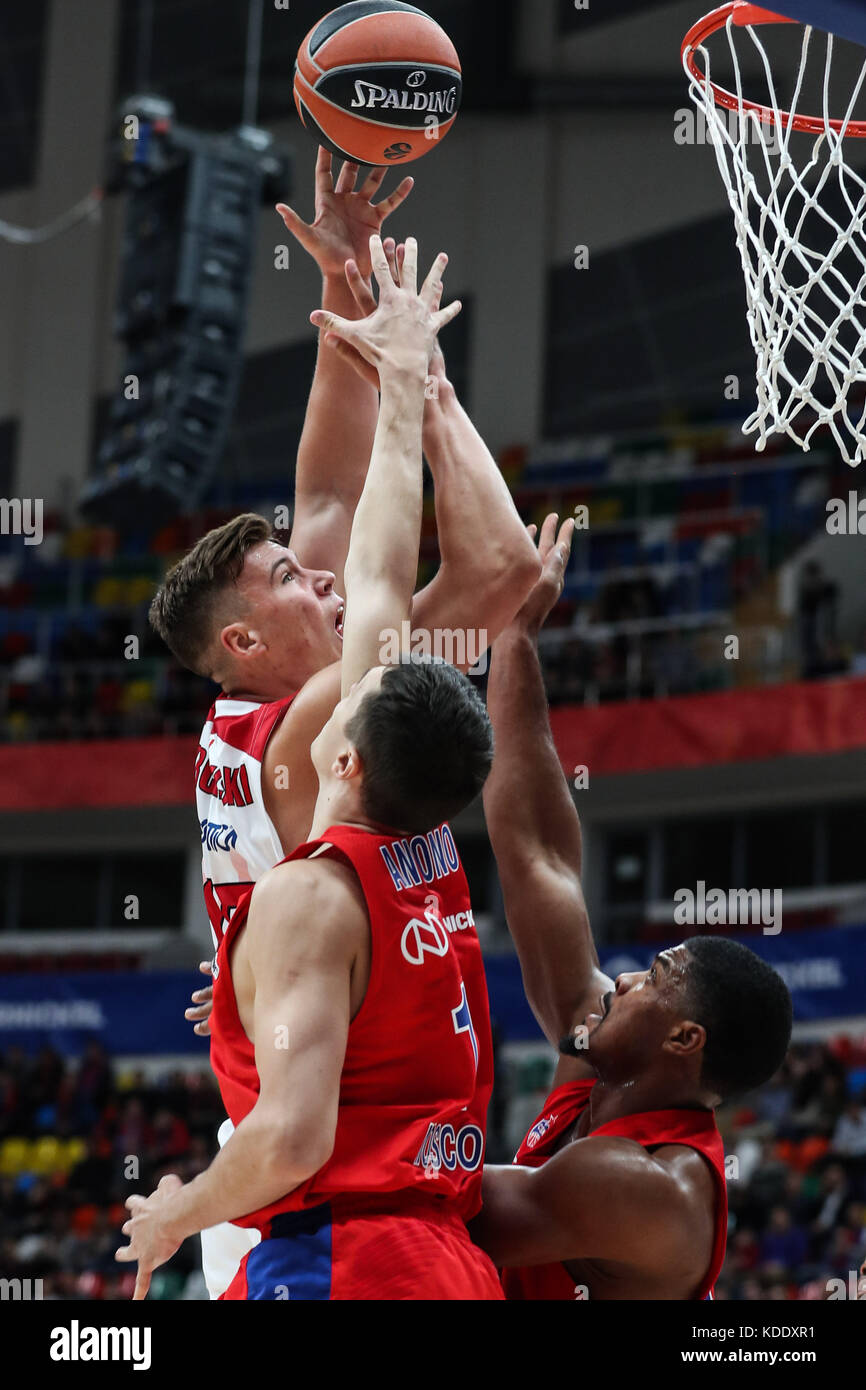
[817,605]
[849,1136]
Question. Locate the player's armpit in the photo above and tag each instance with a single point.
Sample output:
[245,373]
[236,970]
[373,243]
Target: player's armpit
[289,782]
[598,1198]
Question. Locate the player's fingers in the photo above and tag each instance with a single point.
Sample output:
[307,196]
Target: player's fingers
[134,1202]
[203,1028]
[202,996]
[332,323]
[296,225]
[169,1182]
[324,172]
[372,182]
[562,550]
[361,289]
[348,177]
[196,1015]
[436,301]
[142,1284]
[547,537]
[381,269]
[446,315]
[434,279]
[410,266]
[206,967]
[401,257]
[533,530]
[390,248]
[395,199]
[125,1254]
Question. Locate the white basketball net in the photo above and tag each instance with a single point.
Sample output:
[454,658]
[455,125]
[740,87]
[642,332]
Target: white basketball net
[802,239]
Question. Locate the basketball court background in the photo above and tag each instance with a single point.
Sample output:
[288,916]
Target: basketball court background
[603,353]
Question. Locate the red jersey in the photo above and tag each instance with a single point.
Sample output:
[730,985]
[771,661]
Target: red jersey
[239,842]
[695,1129]
[418,1070]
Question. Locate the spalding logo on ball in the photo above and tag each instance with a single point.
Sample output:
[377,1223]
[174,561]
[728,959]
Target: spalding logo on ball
[378,82]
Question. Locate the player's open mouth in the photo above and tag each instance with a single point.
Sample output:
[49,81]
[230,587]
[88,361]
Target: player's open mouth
[338,621]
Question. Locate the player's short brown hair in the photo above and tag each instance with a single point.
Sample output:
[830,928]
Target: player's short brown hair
[426,743]
[185,605]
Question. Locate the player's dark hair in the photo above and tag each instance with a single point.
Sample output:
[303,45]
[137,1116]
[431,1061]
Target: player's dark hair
[745,1007]
[185,606]
[426,743]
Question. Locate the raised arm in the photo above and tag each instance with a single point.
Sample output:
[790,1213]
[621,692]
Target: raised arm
[532,821]
[382,565]
[488,564]
[341,414]
[307,925]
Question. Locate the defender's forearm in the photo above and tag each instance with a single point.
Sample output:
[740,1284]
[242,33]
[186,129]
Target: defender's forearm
[527,799]
[473,504]
[382,565]
[489,565]
[387,525]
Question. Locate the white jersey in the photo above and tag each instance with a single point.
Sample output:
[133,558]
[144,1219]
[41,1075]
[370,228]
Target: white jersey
[239,841]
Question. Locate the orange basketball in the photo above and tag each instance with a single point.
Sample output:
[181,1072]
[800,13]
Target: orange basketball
[378,82]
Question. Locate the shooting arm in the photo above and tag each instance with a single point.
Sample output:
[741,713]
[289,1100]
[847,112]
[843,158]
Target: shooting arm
[334,450]
[341,415]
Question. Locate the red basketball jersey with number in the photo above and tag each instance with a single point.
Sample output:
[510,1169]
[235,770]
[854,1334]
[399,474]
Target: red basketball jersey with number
[239,841]
[696,1129]
[418,1070]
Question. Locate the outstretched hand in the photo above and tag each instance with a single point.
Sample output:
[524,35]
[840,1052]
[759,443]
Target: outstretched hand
[399,333]
[554,551]
[346,216]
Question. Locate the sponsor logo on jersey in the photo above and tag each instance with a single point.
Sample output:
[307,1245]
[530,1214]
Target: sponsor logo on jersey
[217,836]
[539,1130]
[370,96]
[423,938]
[421,859]
[445,1147]
[230,785]
[430,936]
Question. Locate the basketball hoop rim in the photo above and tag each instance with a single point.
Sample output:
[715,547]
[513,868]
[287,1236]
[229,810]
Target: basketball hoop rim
[743,13]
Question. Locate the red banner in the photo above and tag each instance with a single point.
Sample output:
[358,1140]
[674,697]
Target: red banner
[773,721]
[120,772]
[686,731]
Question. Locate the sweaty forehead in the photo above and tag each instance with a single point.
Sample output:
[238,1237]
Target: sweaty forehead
[259,563]
[675,962]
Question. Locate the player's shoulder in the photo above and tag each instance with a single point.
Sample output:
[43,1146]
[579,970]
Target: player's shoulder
[672,1180]
[309,893]
[309,711]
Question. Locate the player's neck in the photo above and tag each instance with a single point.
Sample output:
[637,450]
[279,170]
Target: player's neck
[612,1100]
